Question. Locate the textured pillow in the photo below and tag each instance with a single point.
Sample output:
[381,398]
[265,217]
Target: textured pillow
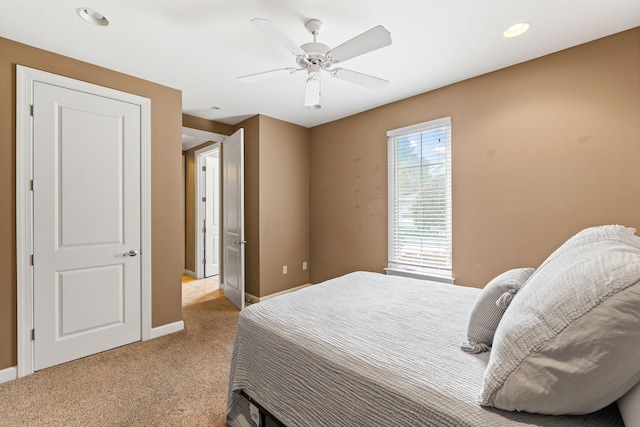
[490,306]
[570,341]
[629,406]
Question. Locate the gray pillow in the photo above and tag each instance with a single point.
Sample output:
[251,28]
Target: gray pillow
[490,306]
[629,406]
[569,342]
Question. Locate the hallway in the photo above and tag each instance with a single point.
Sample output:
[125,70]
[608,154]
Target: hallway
[200,290]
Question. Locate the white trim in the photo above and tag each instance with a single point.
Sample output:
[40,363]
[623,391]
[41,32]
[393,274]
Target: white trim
[189,273]
[167,329]
[197,133]
[145,218]
[23,221]
[25,78]
[8,374]
[445,121]
[419,275]
[200,155]
[253,299]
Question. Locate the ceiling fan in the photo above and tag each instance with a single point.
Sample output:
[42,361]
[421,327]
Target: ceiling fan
[314,57]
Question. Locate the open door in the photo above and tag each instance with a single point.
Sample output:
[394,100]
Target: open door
[233,218]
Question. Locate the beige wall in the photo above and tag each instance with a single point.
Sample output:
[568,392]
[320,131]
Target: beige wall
[540,150]
[251,128]
[189,210]
[184,203]
[284,205]
[167,231]
[193,122]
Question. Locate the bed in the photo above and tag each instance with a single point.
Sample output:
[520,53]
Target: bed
[558,345]
[367,349]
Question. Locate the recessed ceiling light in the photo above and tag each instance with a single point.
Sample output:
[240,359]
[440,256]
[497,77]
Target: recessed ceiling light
[92,17]
[517,29]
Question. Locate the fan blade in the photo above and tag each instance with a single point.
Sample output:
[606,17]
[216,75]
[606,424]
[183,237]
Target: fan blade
[276,35]
[266,75]
[312,93]
[359,78]
[368,41]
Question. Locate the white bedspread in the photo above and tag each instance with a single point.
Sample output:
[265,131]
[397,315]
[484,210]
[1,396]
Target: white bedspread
[367,349]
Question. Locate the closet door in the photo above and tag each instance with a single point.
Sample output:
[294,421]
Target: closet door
[87,224]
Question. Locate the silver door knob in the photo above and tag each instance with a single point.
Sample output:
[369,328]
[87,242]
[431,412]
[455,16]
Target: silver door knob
[132,252]
[240,242]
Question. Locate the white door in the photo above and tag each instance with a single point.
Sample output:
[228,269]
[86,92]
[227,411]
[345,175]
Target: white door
[86,203]
[233,218]
[212,215]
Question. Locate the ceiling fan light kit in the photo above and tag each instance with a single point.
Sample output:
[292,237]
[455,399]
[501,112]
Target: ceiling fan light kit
[315,57]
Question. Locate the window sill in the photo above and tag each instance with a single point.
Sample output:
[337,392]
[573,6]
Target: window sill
[419,275]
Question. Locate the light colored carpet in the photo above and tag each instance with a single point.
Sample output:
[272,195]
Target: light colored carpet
[175,380]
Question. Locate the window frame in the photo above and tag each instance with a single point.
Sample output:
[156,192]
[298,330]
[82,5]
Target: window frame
[395,266]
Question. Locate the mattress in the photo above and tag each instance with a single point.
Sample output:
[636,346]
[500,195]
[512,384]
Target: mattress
[367,349]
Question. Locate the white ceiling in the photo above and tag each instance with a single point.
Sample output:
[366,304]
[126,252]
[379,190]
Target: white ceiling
[201,46]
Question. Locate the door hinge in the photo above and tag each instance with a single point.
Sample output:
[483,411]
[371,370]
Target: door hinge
[204,260]
[31,110]
[33,335]
[204,230]
[31,259]
[31,185]
[204,199]
[204,169]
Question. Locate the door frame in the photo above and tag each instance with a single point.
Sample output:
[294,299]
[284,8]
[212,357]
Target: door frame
[202,137]
[200,155]
[25,78]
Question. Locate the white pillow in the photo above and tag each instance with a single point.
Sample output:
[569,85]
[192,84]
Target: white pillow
[490,306]
[569,342]
[629,406]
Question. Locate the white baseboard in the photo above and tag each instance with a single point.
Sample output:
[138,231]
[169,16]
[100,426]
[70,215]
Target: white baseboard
[254,299]
[167,329]
[8,374]
[190,273]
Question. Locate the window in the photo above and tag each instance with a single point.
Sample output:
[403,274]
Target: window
[420,199]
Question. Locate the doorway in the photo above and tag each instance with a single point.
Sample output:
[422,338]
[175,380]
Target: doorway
[203,284]
[208,211]
[228,240]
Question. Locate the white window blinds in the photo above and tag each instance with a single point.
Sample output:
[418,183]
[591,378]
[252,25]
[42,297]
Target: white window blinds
[420,197]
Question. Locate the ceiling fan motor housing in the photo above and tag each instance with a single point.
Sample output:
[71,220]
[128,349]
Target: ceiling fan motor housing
[316,54]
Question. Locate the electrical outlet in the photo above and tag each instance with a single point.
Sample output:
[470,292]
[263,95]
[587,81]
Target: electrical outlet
[284,269]
[304,265]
